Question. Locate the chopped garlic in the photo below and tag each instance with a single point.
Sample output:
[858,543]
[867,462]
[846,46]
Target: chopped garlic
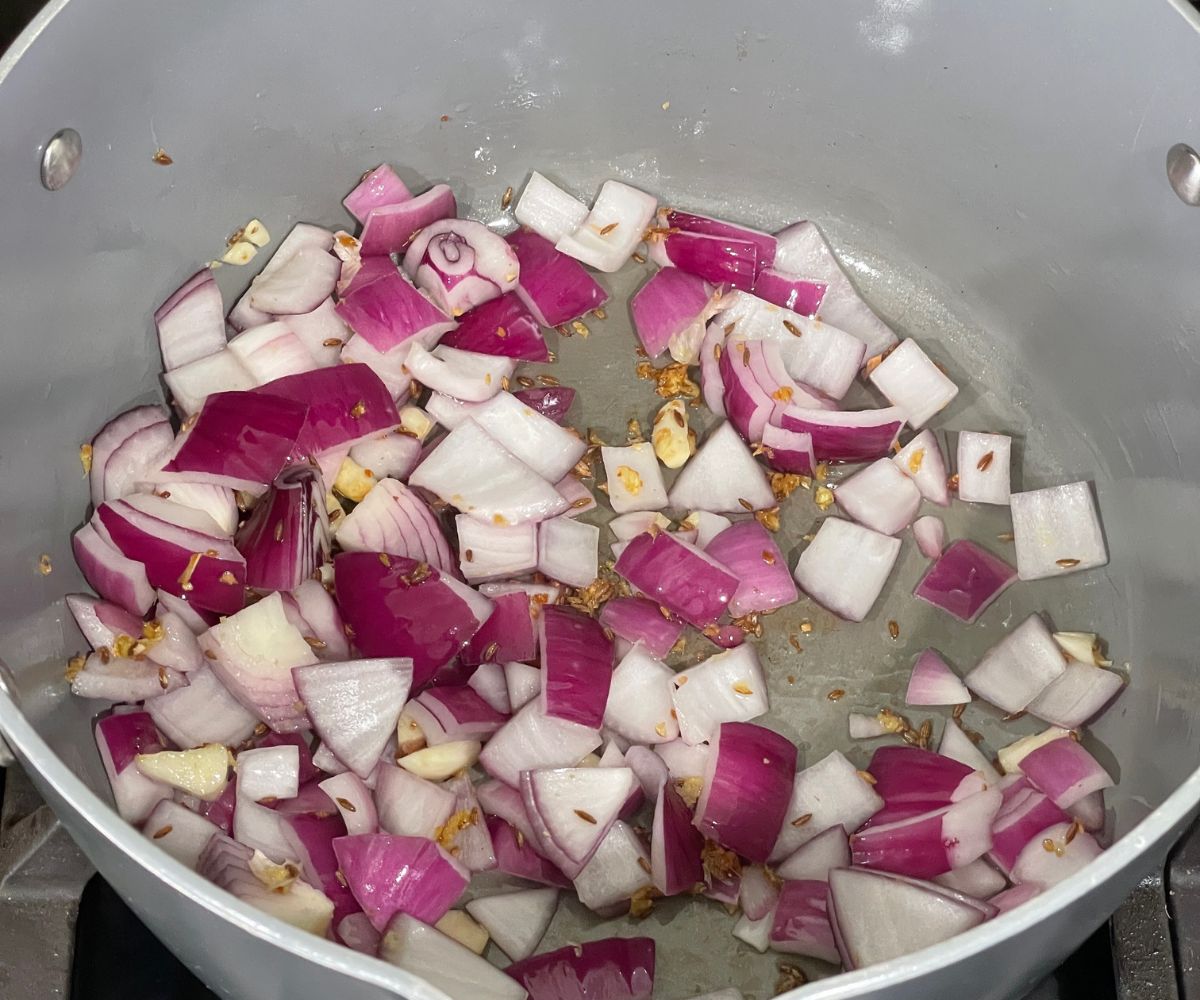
[630,480]
[417,421]
[202,772]
[256,233]
[242,252]
[352,480]
[458,924]
[1010,757]
[672,443]
[273,876]
[1082,646]
[409,737]
[442,761]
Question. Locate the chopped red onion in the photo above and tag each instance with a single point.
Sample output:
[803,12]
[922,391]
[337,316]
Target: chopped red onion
[880,497]
[727,687]
[978,879]
[507,635]
[197,619]
[490,552]
[576,658]
[912,382]
[388,229]
[461,264]
[236,868]
[930,535]
[1090,812]
[612,229]
[386,310]
[578,496]
[983,467]
[555,288]
[720,259]
[102,621]
[268,773]
[568,551]
[135,459]
[679,576]
[523,681]
[271,351]
[191,322]
[712,384]
[722,477]
[389,366]
[932,682]
[609,969]
[706,225]
[321,619]
[488,682]
[1019,667]
[119,739]
[755,933]
[538,441]
[865,727]
[637,619]
[354,802]
[464,375]
[354,930]
[392,518]
[800,295]
[675,845]
[650,769]
[501,800]
[376,188]
[466,837]
[1057,531]
[912,781]
[634,478]
[354,706]
[922,461]
[115,433]
[965,580]
[815,859]
[878,916]
[956,745]
[574,807]
[448,713]
[390,875]
[118,678]
[758,892]
[1042,868]
[321,331]
[846,566]
[1065,771]
[286,536]
[474,473]
[111,574]
[846,435]
[801,926]
[180,832]
[298,285]
[669,311]
[516,921]
[397,607]
[628,526]
[747,785]
[1077,696]
[549,401]
[410,806]
[451,968]
[310,837]
[788,451]
[202,712]
[1025,813]
[531,739]
[639,704]
[706,525]
[192,383]
[217,502]
[501,326]
[548,210]
[830,793]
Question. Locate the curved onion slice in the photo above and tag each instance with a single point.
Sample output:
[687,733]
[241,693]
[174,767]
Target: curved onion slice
[119,739]
[389,228]
[801,926]
[507,635]
[191,322]
[567,551]
[271,351]
[846,435]
[1025,813]
[286,536]
[202,712]
[1042,868]
[613,968]
[392,518]
[448,713]
[386,310]
[461,264]
[706,225]
[1077,696]
[112,435]
[675,845]
[136,458]
[1065,771]
[800,295]
[727,687]
[748,550]
[548,449]
[378,187]
[670,310]
[573,808]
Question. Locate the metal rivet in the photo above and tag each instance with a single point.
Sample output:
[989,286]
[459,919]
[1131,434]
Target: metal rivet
[60,159]
[1183,171]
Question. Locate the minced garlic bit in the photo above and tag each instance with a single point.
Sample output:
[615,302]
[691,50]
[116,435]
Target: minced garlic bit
[385,559]
[256,233]
[417,422]
[666,105]
[892,722]
[353,481]
[768,518]
[784,484]
[689,790]
[85,458]
[742,688]
[1082,646]
[642,901]
[806,627]
[823,497]
[45,566]
[915,460]
[580,327]
[630,480]
[670,381]
[670,437]
[162,157]
[242,252]
[275,877]
[75,666]
[459,821]
[791,977]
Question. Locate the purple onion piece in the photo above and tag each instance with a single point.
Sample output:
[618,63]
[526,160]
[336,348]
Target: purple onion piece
[576,660]
[555,288]
[679,576]
[500,326]
[388,229]
[965,580]
[609,969]
[378,187]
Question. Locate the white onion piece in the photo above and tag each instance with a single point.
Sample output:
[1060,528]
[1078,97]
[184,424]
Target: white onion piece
[755,933]
[122,736]
[464,375]
[488,551]
[1077,696]
[1057,531]
[531,740]
[618,870]
[202,712]
[389,365]
[578,805]
[578,496]
[613,228]
[299,284]
[441,961]
[801,250]
[448,411]
[956,745]
[549,210]
[706,524]
[639,699]
[1019,667]
[1037,866]
[922,461]
[134,459]
[324,760]
[684,760]
[880,916]
[122,678]
[272,351]
[261,828]
[191,322]
[984,466]
[410,806]
[635,481]
[568,551]
[978,879]
[880,497]
[475,474]
[392,518]
[720,476]
[911,381]
[489,683]
[321,331]
[846,566]
[217,502]
[727,687]
[932,682]
[193,383]
[930,535]
[517,921]
[269,773]
[627,526]
[180,832]
[354,801]
[865,727]
[831,793]
[524,684]
[392,455]
[826,851]
[550,450]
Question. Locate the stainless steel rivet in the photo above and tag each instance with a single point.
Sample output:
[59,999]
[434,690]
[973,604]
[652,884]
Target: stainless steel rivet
[60,159]
[1183,171]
